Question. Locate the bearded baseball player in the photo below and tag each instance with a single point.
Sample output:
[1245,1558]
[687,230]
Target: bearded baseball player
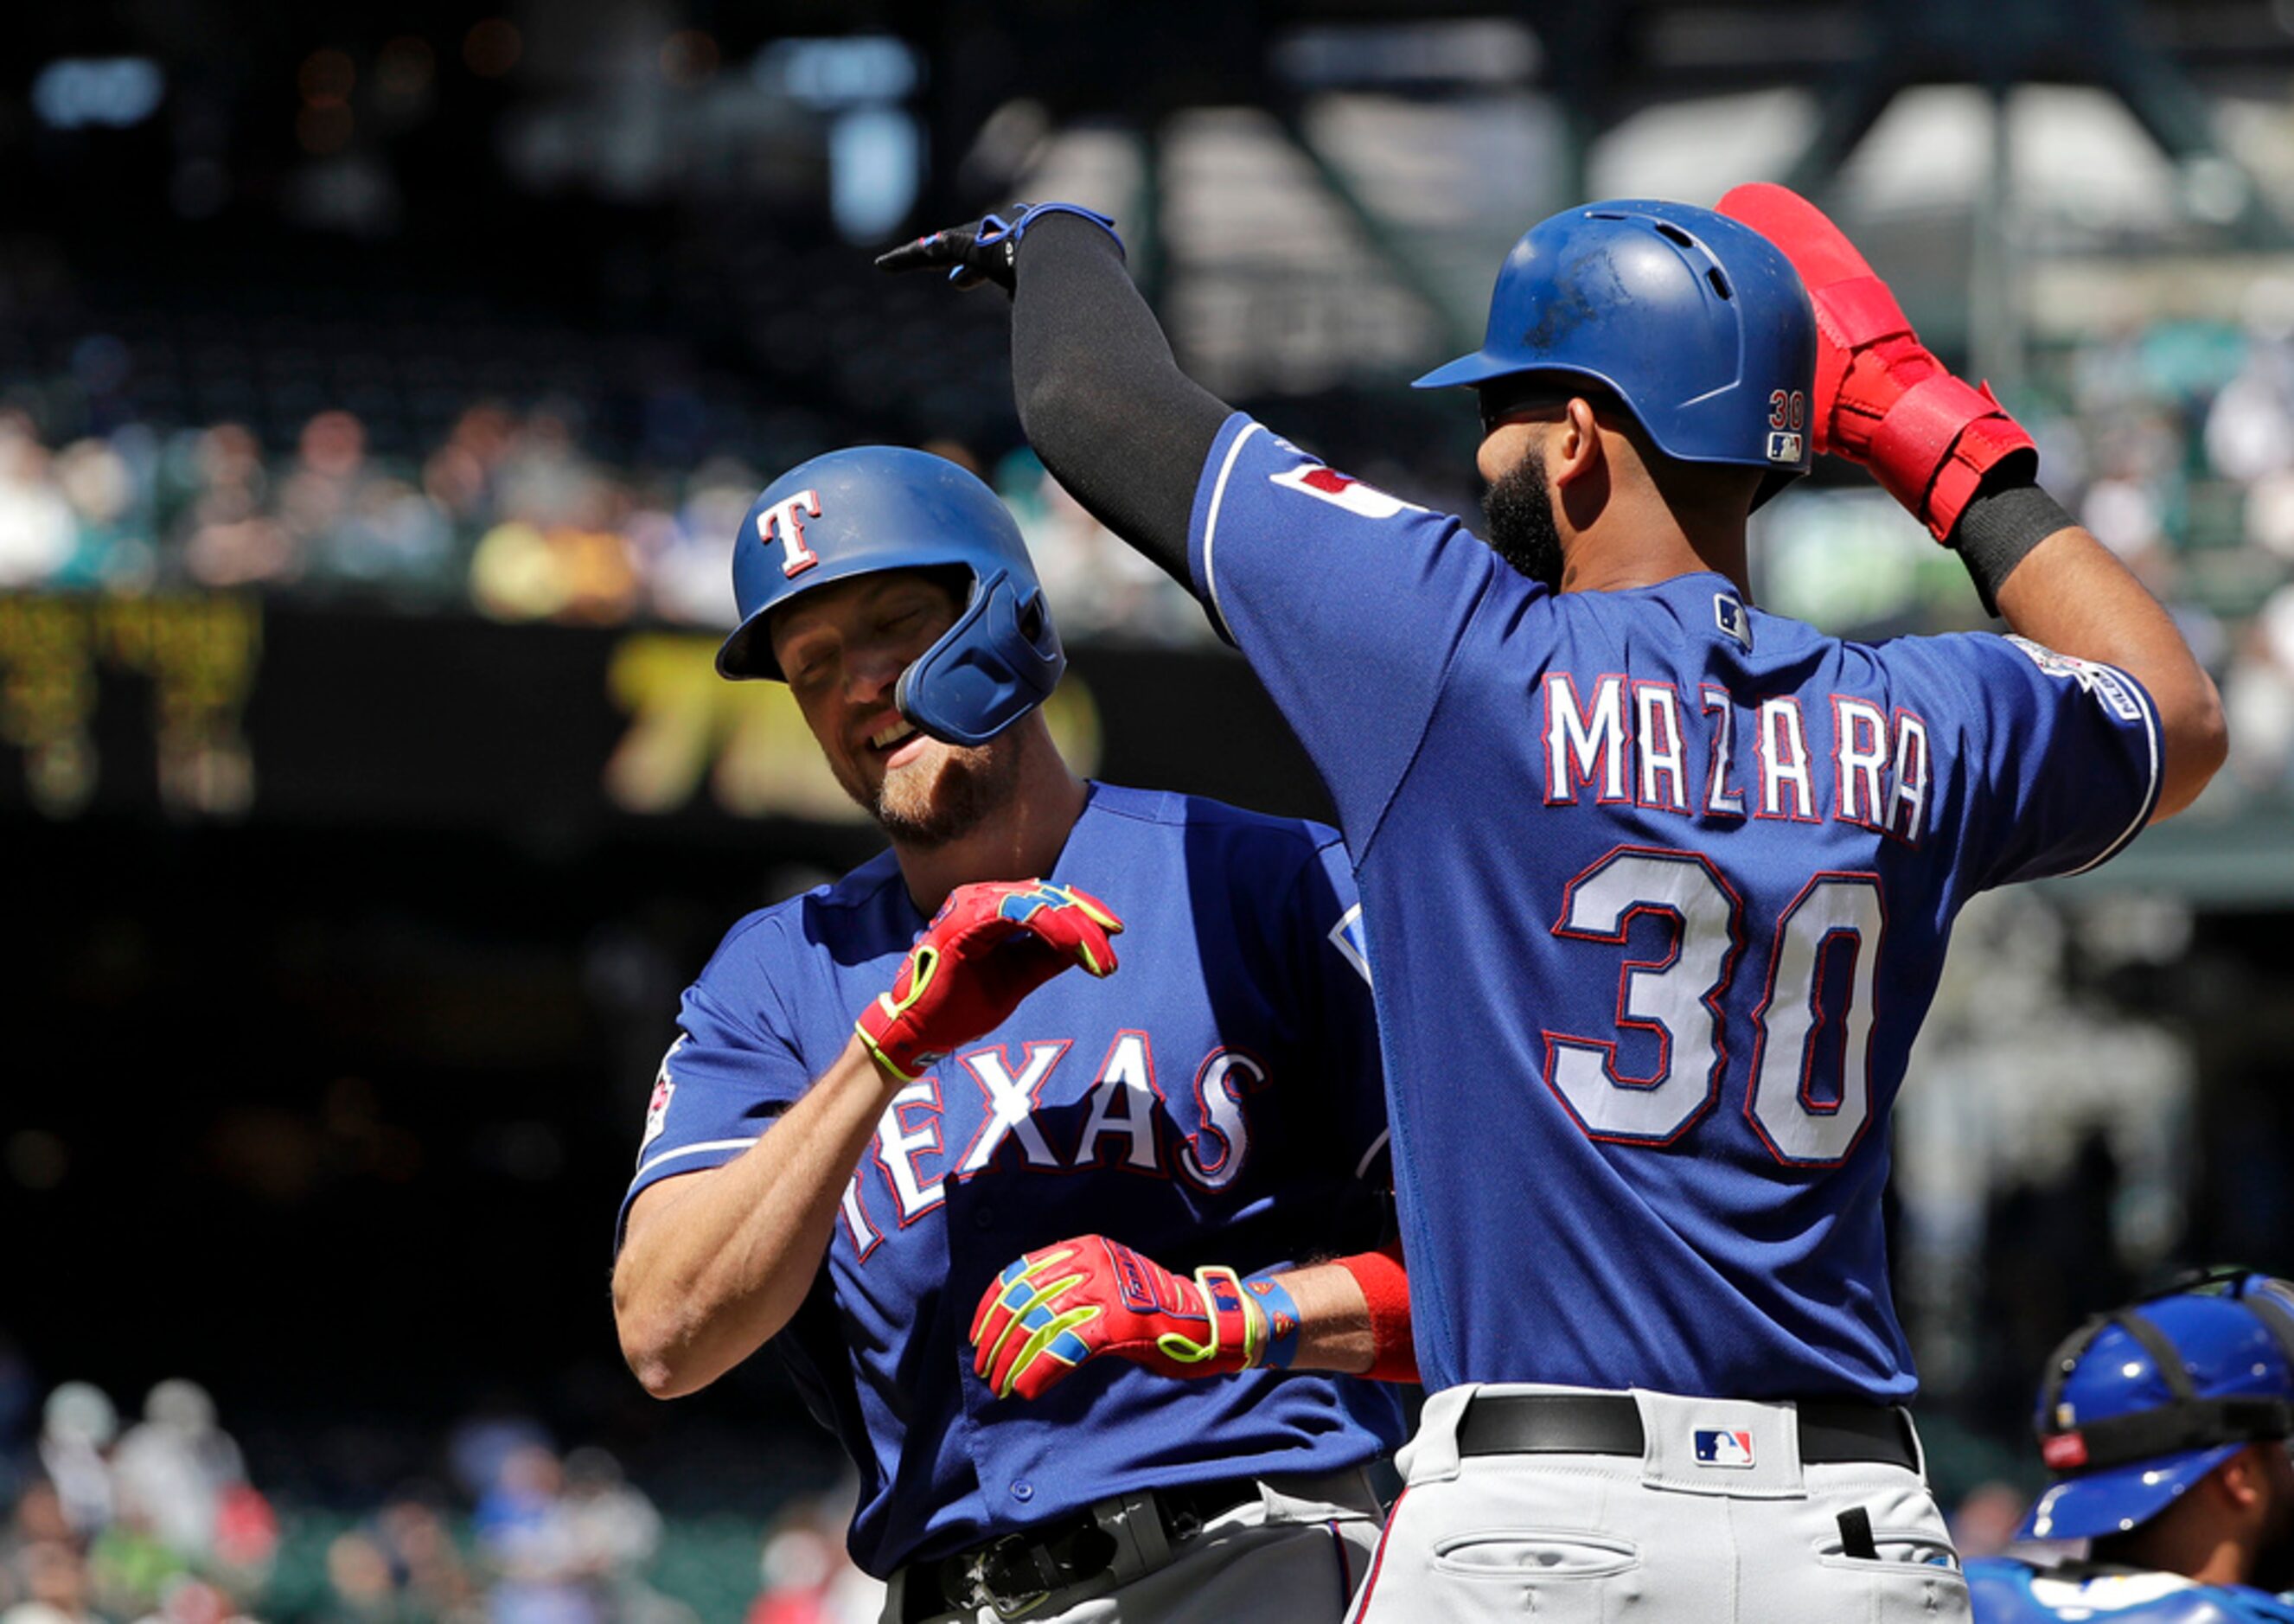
[1655,884]
[887,1089]
[2166,1424]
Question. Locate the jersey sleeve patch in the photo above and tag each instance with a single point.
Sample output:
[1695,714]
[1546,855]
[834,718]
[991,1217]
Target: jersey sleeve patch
[1325,484]
[657,1109]
[2110,689]
[1318,579]
[2062,756]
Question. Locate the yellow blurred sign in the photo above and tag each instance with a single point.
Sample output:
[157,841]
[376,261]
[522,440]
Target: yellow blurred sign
[200,656]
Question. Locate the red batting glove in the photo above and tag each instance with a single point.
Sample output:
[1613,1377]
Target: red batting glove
[1882,398]
[988,947]
[1055,1308]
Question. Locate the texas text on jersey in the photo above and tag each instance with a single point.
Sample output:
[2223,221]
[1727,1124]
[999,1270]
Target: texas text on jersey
[1221,1091]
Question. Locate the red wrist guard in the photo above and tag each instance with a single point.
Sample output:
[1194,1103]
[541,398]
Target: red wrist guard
[1386,1286]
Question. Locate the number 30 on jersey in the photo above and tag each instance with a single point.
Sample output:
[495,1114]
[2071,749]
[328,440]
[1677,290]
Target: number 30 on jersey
[1678,1002]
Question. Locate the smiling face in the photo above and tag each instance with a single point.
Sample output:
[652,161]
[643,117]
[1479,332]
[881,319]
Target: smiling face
[842,648]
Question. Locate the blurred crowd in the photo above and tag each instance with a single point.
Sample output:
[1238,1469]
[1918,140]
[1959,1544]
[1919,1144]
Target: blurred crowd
[509,516]
[2176,438]
[156,1522]
[2171,439]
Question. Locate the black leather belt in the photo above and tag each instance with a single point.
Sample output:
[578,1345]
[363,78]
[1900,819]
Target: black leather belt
[1831,1432]
[1016,1572]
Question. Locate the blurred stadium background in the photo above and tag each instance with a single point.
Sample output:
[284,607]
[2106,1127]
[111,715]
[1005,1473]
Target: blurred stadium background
[380,383]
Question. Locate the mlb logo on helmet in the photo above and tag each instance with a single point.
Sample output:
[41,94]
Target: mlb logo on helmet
[1716,1448]
[1783,446]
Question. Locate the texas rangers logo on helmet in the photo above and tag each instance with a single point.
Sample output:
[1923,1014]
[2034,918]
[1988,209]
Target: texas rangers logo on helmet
[780,523]
[1724,1448]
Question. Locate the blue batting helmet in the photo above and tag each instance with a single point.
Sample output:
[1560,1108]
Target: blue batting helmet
[2139,1405]
[1698,325]
[884,507]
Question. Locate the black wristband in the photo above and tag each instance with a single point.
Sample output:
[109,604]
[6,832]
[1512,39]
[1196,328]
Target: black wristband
[1999,528]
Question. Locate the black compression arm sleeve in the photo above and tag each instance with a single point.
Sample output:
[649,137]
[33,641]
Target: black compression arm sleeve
[1103,401]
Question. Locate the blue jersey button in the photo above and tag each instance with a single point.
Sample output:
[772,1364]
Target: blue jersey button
[983,1217]
[1022,1489]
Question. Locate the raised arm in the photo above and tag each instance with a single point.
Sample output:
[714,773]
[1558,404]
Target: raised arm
[713,1264]
[2068,592]
[1101,397]
[1951,454]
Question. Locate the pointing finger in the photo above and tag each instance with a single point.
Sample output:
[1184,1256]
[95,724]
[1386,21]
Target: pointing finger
[923,253]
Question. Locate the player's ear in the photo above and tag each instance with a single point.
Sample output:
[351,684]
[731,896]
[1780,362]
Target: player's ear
[1575,450]
[2241,1480]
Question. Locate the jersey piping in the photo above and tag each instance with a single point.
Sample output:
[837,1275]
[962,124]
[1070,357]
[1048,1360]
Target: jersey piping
[1211,526]
[706,1148]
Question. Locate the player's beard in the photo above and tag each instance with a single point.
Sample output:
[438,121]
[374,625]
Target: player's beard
[945,797]
[1519,514]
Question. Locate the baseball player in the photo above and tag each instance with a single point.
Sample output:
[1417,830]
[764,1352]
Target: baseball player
[848,1190]
[1655,884]
[2166,1426]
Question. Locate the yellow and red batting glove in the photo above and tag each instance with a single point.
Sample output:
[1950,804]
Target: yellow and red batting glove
[1057,1307]
[1882,398]
[988,947]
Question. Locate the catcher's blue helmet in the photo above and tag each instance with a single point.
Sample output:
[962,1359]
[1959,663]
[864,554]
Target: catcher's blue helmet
[2139,1405]
[1700,325]
[884,507]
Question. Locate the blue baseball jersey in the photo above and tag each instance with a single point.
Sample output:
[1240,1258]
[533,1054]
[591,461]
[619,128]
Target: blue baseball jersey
[1657,888]
[1216,1100]
[2003,1591]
